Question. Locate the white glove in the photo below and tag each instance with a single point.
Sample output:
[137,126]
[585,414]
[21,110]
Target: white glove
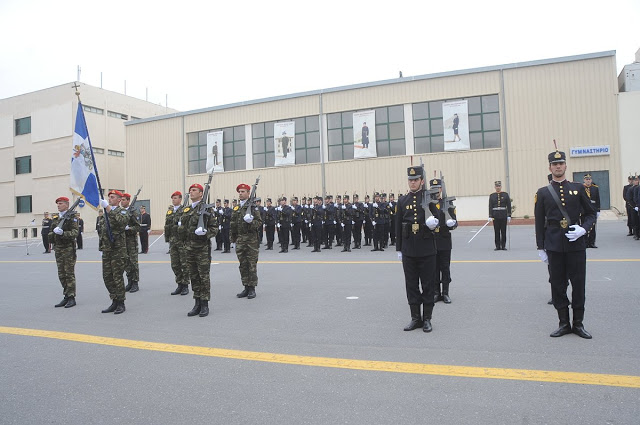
[58,231]
[635,208]
[248,218]
[220,227]
[508,219]
[306,221]
[200,231]
[490,219]
[278,225]
[342,224]
[451,222]
[543,256]
[399,255]
[334,222]
[366,205]
[575,233]
[309,224]
[353,222]
[279,208]
[354,207]
[220,211]
[373,222]
[344,207]
[149,231]
[375,205]
[432,222]
[598,214]
[391,204]
[264,208]
[104,203]
[322,221]
[324,207]
[127,227]
[305,206]
[179,223]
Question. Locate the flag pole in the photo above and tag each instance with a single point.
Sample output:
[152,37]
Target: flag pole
[93,159]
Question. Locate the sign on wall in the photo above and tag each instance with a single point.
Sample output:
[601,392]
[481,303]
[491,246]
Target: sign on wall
[284,145]
[214,152]
[455,121]
[364,134]
[590,151]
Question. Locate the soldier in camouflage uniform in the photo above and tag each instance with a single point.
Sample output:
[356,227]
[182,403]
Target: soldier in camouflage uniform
[114,253]
[176,245]
[244,233]
[131,231]
[198,247]
[64,243]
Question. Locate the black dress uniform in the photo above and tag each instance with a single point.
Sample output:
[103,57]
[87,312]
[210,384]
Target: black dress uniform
[368,226]
[628,205]
[417,243]
[270,223]
[444,246]
[285,214]
[593,192]
[358,220]
[346,220]
[46,228]
[296,224]
[316,219]
[500,212]
[377,214]
[566,259]
[338,227]
[329,225]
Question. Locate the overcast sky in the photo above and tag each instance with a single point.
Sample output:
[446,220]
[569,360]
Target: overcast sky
[198,53]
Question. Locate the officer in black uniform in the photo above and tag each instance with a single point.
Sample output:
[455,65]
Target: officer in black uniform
[219,212]
[500,214]
[225,219]
[346,221]
[378,220]
[283,220]
[562,241]
[368,226]
[444,246]
[303,214]
[329,225]
[270,223]
[316,220]
[628,204]
[262,215]
[46,228]
[358,220]
[296,222]
[392,218]
[337,227]
[416,247]
[593,192]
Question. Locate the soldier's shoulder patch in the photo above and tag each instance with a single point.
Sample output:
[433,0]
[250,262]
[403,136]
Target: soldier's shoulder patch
[236,208]
[187,209]
[169,212]
[55,216]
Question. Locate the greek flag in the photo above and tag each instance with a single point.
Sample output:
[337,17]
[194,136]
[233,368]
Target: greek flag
[83,171]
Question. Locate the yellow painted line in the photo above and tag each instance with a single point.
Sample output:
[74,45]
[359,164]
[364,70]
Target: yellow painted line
[626,381]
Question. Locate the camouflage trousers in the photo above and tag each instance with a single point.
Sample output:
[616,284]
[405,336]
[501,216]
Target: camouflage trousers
[247,250]
[179,265]
[199,265]
[66,262]
[133,272]
[113,265]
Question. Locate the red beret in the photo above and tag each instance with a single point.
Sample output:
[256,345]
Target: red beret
[63,199]
[243,186]
[199,186]
[115,192]
[126,195]
[176,193]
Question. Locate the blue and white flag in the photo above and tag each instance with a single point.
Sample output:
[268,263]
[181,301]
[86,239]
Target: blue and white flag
[83,171]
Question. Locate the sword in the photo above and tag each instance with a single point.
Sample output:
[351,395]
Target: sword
[478,232]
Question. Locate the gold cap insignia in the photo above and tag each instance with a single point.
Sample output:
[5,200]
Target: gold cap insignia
[412,172]
[557,155]
[434,181]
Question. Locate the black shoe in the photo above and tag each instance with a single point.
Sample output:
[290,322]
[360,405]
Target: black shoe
[349,249]
[446,299]
[185,289]
[62,303]
[111,308]
[593,246]
[414,324]
[128,287]
[71,302]
[196,309]
[226,251]
[578,327]
[496,249]
[252,292]
[564,326]
[178,290]
[120,308]
[427,326]
[628,234]
[550,301]
[204,308]
[134,287]
[244,292]
[316,250]
[218,249]
[437,297]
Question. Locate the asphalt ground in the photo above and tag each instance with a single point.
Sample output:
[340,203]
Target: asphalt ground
[323,342]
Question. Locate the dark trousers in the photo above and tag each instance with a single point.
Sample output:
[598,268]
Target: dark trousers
[144,241]
[368,231]
[316,236]
[329,230]
[500,230]
[47,245]
[219,241]
[419,271]
[346,234]
[79,240]
[392,230]
[357,233]
[338,230]
[443,268]
[270,229]
[385,235]
[295,234]
[226,239]
[283,237]
[563,265]
[378,233]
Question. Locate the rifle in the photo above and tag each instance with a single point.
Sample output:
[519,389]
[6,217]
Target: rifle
[447,202]
[70,213]
[252,197]
[135,198]
[429,196]
[202,206]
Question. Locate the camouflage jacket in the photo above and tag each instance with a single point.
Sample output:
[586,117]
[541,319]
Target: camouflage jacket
[188,224]
[133,223]
[240,229]
[118,219]
[171,220]
[70,232]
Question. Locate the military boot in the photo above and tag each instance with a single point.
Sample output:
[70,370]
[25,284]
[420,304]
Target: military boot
[244,292]
[445,293]
[578,328]
[252,292]
[185,289]
[71,302]
[128,287]
[426,317]
[416,319]
[178,290]
[204,308]
[565,326]
[134,286]
[196,309]
[111,308]
[62,303]
[120,308]
[375,246]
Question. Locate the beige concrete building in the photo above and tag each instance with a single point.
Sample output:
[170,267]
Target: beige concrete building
[515,112]
[36,131]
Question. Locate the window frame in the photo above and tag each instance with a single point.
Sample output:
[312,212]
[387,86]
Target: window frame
[17,163]
[22,126]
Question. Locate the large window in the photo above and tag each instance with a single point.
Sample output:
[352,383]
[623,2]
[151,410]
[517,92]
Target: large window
[23,126]
[390,131]
[263,154]
[23,165]
[340,135]
[233,148]
[92,109]
[23,204]
[484,124]
[307,142]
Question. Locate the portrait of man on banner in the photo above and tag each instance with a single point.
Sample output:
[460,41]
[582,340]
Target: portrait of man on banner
[214,152]
[364,134]
[455,120]
[284,143]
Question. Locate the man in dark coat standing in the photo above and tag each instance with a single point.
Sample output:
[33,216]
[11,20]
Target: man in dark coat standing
[145,228]
[500,214]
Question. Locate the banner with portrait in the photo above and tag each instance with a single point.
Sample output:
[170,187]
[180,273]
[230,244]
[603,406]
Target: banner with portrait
[284,143]
[214,152]
[364,134]
[455,121]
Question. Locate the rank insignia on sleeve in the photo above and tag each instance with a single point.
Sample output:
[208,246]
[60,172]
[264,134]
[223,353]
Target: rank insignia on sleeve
[187,209]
